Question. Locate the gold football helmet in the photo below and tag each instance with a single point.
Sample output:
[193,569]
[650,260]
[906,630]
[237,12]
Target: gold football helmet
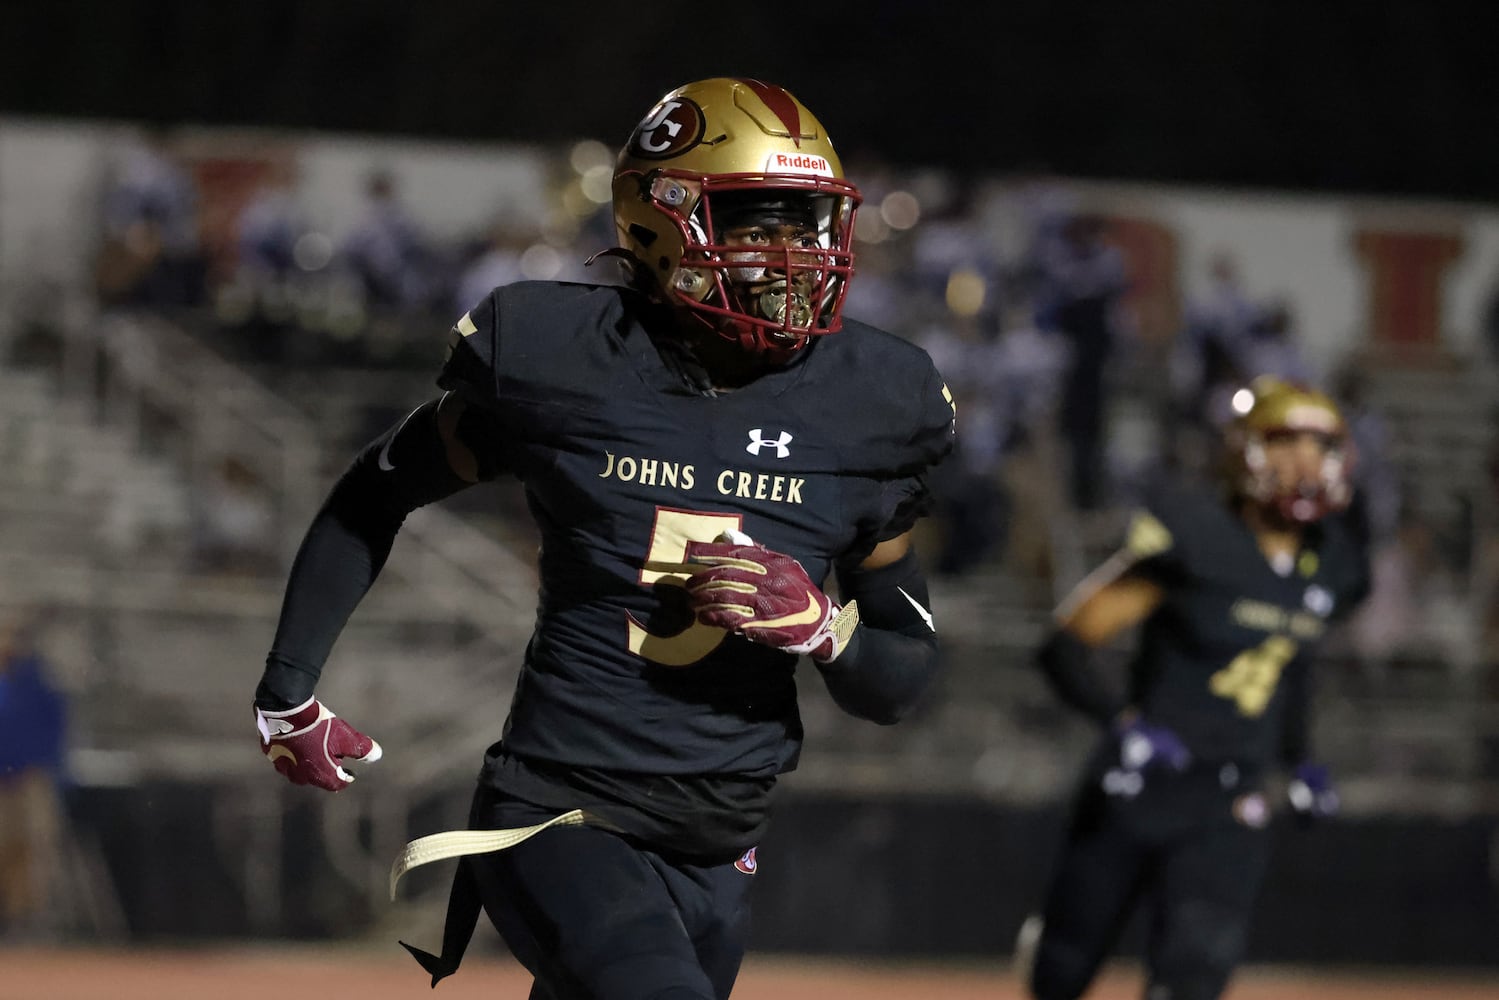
[739,147]
[1272,409]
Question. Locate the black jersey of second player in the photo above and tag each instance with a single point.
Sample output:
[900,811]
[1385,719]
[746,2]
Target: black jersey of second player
[1230,642]
[623,463]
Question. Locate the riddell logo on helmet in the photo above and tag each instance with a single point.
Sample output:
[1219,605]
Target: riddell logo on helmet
[798,163]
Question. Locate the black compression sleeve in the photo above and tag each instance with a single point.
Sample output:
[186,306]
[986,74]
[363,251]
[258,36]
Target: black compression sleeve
[1067,663]
[893,654]
[346,546]
[1295,732]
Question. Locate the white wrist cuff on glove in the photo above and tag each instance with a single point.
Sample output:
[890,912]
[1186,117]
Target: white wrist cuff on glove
[837,628]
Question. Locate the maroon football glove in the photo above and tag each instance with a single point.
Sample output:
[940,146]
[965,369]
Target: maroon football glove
[306,743]
[766,597]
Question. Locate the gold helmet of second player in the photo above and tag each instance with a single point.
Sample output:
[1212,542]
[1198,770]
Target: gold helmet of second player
[709,155]
[1270,411]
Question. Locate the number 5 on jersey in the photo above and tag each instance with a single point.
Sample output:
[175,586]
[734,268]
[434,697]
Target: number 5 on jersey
[669,537]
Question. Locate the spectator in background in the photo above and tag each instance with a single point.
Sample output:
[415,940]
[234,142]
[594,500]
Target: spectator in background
[1487,589]
[1377,494]
[1490,324]
[33,722]
[150,254]
[1031,365]
[1411,625]
[885,287]
[1206,362]
[1081,284]
[971,507]
[1006,386]
[277,251]
[1389,625]
[499,263]
[1227,341]
[1028,222]
[387,252]
[271,225]
[1272,348]
[1486,596]
[232,522]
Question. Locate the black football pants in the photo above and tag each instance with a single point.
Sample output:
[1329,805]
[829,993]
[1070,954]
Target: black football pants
[1175,849]
[594,917]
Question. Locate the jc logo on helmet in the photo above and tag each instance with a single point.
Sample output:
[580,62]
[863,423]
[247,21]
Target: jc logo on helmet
[673,127]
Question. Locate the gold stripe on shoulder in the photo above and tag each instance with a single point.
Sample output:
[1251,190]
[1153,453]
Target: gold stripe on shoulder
[1147,536]
[466,326]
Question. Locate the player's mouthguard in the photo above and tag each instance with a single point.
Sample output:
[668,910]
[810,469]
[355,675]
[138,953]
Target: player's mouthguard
[772,303]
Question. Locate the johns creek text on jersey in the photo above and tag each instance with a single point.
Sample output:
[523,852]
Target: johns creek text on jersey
[682,476]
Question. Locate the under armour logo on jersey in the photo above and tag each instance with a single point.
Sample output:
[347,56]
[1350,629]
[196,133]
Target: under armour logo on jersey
[758,441]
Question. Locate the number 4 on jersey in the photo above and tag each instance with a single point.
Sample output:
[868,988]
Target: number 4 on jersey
[1251,677]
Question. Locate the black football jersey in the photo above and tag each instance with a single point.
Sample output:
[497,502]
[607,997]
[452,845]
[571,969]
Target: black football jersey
[623,462]
[1231,642]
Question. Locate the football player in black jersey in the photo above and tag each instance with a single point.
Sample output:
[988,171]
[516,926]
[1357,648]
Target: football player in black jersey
[700,448]
[1232,591]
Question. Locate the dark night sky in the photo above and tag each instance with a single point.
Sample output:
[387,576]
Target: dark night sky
[1393,98]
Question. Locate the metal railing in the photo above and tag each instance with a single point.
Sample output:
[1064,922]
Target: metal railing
[162,391]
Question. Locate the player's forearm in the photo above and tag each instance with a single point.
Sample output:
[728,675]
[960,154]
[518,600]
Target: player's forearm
[1067,663]
[881,675]
[334,568]
[346,546]
[893,654]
